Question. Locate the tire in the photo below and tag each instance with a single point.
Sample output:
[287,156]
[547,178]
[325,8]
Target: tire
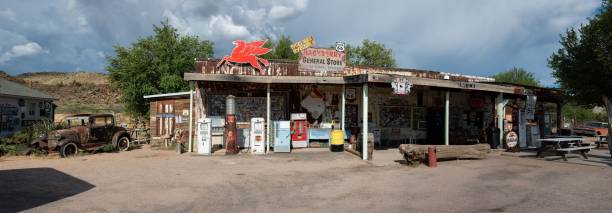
[123,143]
[69,149]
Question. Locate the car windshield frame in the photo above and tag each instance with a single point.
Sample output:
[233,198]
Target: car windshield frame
[82,121]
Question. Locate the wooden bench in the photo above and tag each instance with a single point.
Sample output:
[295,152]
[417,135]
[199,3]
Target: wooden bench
[582,149]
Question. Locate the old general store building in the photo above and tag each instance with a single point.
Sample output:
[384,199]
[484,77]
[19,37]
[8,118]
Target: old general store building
[438,108]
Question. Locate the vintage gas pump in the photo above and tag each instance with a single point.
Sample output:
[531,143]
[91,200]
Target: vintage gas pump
[231,147]
[258,142]
[282,136]
[299,130]
[204,136]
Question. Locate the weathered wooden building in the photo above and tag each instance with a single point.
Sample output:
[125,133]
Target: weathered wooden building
[439,108]
[169,112]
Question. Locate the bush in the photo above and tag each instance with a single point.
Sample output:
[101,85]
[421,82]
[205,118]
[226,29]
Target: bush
[8,149]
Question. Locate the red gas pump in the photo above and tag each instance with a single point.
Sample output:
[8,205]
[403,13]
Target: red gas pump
[299,130]
[231,146]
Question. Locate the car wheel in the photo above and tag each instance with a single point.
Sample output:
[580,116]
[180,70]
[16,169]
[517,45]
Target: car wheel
[69,149]
[123,144]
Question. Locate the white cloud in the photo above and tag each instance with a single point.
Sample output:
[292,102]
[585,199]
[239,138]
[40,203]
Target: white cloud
[282,12]
[28,49]
[222,26]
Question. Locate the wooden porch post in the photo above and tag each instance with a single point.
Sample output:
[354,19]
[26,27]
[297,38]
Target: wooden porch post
[446,117]
[268,122]
[364,132]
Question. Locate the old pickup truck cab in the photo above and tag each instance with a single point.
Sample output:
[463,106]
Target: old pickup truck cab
[592,128]
[85,132]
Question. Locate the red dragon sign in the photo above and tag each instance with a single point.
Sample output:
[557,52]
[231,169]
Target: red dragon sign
[247,52]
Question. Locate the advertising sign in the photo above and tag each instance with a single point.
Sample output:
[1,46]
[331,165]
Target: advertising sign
[511,139]
[401,86]
[530,107]
[321,60]
[303,44]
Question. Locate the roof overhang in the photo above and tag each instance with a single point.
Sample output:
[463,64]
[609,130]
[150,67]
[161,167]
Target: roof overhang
[352,79]
[167,95]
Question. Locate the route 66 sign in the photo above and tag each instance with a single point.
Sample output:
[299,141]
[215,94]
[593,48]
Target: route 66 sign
[401,86]
[340,46]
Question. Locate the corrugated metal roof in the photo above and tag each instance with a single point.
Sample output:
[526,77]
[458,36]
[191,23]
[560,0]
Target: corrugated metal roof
[9,88]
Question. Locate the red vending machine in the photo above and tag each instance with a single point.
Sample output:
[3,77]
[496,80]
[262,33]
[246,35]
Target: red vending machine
[299,130]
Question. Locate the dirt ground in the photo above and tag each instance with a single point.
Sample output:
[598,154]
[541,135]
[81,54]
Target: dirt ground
[146,180]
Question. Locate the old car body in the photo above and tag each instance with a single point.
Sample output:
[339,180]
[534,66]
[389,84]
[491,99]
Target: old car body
[86,132]
[592,128]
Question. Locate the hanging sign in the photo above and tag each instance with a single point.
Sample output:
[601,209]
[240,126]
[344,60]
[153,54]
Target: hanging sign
[401,86]
[321,60]
[303,44]
[247,52]
[530,107]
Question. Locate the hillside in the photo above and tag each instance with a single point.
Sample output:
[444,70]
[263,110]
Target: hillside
[57,78]
[78,92]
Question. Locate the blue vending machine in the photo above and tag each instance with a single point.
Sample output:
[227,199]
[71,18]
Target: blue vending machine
[282,136]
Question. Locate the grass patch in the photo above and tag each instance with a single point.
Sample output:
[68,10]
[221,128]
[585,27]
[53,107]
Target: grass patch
[89,108]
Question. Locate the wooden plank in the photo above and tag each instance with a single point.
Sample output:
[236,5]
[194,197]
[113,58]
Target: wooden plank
[264,79]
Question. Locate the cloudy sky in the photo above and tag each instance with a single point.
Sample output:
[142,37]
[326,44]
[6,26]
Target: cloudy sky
[477,37]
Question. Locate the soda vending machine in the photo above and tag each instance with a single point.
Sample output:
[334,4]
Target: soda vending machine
[282,136]
[299,130]
[204,136]
[258,136]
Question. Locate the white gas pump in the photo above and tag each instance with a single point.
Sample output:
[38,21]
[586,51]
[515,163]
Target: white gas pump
[258,141]
[204,136]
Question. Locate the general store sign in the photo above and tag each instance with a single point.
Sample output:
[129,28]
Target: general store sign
[303,44]
[321,60]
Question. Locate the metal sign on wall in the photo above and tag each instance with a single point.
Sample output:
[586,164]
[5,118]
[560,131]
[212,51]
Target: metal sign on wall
[530,105]
[303,44]
[321,60]
[401,86]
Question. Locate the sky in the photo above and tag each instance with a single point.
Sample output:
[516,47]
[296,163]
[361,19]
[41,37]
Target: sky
[476,37]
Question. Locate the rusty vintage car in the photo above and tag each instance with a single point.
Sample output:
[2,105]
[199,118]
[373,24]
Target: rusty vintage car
[592,128]
[85,132]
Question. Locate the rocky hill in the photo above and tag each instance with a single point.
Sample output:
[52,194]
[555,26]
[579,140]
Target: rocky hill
[78,92]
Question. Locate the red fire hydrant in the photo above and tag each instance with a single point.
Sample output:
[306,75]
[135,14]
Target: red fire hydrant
[431,156]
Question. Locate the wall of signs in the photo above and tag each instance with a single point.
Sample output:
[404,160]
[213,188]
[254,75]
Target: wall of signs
[249,107]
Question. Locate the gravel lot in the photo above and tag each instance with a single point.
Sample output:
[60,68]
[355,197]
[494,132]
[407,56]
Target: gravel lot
[147,180]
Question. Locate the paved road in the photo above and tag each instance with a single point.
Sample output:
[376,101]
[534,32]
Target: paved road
[160,181]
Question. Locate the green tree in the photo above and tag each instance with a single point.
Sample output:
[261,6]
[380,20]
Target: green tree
[370,53]
[154,64]
[583,65]
[517,75]
[281,49]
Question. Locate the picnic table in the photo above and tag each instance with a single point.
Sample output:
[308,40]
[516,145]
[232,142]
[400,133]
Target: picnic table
[564,145]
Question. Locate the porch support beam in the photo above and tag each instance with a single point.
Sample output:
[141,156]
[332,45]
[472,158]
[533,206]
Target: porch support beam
[364,116]
[268,122]
[446,117]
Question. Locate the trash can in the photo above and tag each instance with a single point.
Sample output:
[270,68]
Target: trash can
[337,140]
[495,139]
